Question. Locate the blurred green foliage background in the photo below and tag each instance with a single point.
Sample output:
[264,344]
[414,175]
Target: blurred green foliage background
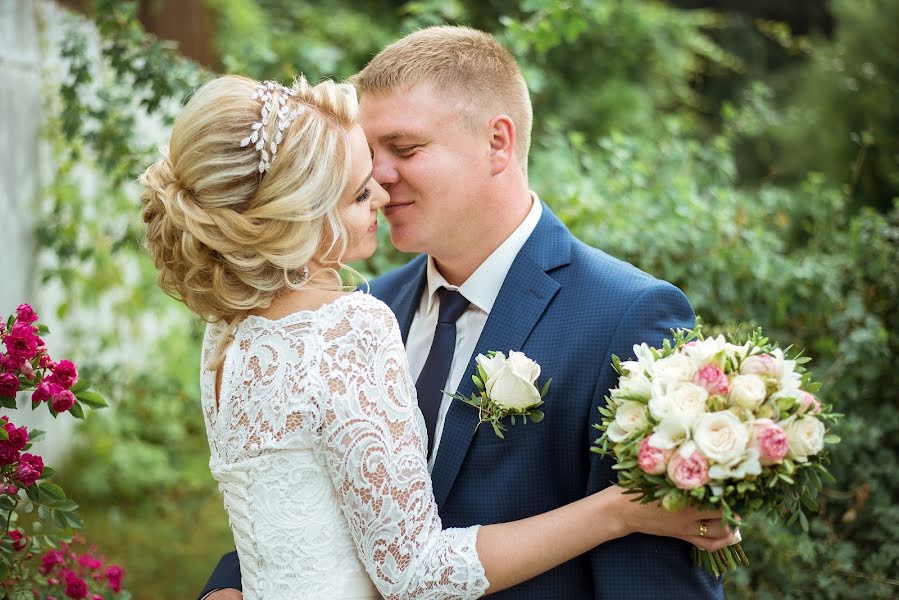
[747,152]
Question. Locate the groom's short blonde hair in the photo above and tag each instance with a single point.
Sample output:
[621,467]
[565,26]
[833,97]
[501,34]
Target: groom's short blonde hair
[461,61]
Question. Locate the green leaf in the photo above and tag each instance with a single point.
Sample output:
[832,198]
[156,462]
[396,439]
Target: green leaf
[77,411]
[477,382]
[33,493]
[53,491]
[831,439]
[73,520]
[80,386]
[92,399]
[497,430]
[803,521]
[7,402]
[7,503]
[536,415]
[545,387]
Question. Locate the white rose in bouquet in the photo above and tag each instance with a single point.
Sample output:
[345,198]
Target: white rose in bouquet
[682,399]
[510,381]
[635,385]
[806,436]
[740,468]
[677,367]
[747,391]
[630,418]
[721,436]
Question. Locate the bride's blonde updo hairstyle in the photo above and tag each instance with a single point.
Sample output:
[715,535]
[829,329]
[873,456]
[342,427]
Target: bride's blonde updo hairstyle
[227,238]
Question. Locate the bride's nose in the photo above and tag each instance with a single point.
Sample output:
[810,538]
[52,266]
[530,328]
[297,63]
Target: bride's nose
[380,196]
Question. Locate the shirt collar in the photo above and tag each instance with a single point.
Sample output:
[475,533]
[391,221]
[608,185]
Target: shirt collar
[482,287]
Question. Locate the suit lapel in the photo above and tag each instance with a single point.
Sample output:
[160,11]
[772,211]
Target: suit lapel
[522,300]
[407,299]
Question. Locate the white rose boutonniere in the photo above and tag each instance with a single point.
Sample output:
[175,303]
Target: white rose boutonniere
[507,387]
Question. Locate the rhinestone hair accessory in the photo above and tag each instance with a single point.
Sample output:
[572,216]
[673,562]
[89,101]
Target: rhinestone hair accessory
[268,146]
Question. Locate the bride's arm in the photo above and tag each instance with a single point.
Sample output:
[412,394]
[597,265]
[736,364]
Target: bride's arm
[377,462]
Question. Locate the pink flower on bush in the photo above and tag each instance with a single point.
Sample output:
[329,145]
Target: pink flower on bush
[50,560]
[75,586]
[114,576]
[12,489]
[31,467]
[688,473]
[9,384]
[11,362]
[712,379]
[25,314]
[652,460]
[10,448]
[46,362]
[96,597]
[809,404]
[62,401]
[770,440]
[64,373]
[19,541]
[21,341]
[89,562]
[46,390]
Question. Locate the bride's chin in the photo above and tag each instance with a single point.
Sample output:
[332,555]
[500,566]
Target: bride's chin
[363,253]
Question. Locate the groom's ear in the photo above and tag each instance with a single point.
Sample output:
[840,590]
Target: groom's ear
[502,143]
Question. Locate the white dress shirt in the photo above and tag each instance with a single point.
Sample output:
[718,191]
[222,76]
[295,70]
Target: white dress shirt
[481,290]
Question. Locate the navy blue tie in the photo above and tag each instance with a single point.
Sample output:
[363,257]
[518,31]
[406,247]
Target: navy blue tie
[432,379]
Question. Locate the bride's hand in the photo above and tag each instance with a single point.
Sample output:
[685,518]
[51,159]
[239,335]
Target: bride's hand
[686,524]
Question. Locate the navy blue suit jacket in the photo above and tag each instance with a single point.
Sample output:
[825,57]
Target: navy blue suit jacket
[570,307]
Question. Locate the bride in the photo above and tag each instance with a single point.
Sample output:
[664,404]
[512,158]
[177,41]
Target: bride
[316,439]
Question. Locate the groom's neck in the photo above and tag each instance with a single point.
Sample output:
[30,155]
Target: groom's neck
[490,230]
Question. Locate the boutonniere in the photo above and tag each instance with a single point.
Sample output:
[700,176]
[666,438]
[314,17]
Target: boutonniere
[507,387]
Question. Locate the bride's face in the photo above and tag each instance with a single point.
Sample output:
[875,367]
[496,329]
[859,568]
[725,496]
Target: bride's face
[361,201]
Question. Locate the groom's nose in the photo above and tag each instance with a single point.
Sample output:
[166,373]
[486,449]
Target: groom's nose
[383,170]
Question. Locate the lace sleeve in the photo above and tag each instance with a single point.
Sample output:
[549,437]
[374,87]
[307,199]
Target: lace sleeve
[376,456]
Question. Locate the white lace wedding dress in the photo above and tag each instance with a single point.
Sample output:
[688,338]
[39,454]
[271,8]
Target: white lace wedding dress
[319,450]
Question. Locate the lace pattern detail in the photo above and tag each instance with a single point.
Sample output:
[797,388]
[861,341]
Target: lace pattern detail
[319,450]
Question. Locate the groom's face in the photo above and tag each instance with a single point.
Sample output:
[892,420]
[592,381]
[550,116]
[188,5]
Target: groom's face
[432,162]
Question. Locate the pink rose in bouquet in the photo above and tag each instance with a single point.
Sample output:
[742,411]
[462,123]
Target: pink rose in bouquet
[652,460]
[770,440]
[712,379]
[809,404]
[688,473]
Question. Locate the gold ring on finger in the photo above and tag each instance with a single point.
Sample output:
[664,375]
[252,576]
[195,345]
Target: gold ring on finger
[703,528]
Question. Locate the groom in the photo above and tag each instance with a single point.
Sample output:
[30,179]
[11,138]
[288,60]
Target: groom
[448,117]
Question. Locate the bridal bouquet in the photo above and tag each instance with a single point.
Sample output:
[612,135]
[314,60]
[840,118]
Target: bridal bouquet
[718,424]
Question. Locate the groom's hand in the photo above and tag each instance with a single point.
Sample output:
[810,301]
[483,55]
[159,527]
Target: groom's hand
[225,594]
